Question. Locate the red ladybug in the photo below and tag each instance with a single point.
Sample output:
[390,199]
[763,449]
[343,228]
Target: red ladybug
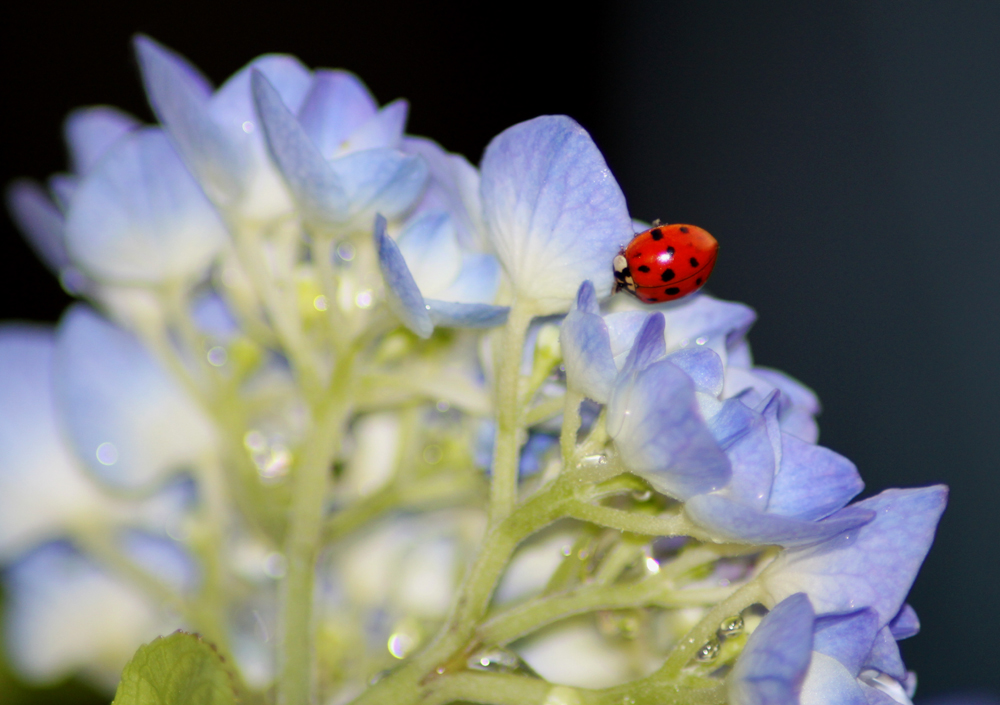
[666,262]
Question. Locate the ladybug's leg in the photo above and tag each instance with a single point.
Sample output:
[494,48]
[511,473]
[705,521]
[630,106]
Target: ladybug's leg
[657,223]
[623,277]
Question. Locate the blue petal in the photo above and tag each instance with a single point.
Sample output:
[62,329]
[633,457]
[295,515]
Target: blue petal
[40,222]
[477,281]
[63,188]
[338,103]
[885,656]
[770,407]
[905,624]
[828,682]
[461,315]
[179,96]
[742,433]
[623,327]
[703,366]
[732,521]
[660,435]
[846,637]
[384,129]
[872,566]
[799,404]
[140,217]
[319,191]
[773,665]
[703,320]
[380,180]
[586,348]
[429,246]
[648,347]
[90,132]
[555,215]
[813,482]
[129,420]
[402,293]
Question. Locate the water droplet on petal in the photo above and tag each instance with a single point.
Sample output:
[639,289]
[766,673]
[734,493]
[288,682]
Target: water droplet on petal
[363,299]
[319,303]
[731,626]
[400,644]
[593,461]
[709,652]
[345,251]
[642,496]
[702,340]
[107,454]
[217,356]
[499,660]
[248,127]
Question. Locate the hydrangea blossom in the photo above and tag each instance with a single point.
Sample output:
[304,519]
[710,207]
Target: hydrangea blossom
[366,418]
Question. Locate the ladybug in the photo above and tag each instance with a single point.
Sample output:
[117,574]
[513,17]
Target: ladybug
[666,262]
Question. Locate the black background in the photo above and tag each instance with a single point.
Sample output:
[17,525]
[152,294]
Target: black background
[845,154]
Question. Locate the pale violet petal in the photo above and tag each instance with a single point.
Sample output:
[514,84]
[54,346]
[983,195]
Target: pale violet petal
[450,314]
[43,489]
[742,433]
[871,566]
[40,222]
[648,346]
[660,434]
[477,281]
[140,217]
[846,637]
[402,293]
[704,320]
[338,103]
[429,246]
[179,96]
[556,217]
[317,189]
[382,181]
[885,656]
[905,624]
[264,195]
[90,132]
[385,129]
[703,366]
[63,188]
[453,186]
[728,520]
[65,614]
[129,420]
[813,482]
[773,664]
[828,682]
[586,348]
[623,327]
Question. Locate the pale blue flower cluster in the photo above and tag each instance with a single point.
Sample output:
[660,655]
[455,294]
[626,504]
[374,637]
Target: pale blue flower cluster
[290,353]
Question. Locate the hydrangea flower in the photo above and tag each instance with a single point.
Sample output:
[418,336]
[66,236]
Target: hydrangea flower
[313,407]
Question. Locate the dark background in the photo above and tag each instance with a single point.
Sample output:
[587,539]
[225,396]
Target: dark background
[846,155]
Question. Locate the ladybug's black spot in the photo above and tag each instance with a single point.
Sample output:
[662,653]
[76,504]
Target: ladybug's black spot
[667,275]
[672,291]
[694,262]
[670,251]
[656,234]
[643,268]
[684,230]
[697,282]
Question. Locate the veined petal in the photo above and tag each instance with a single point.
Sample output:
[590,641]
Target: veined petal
[179,95]
[338,103]
[65,614]
[623,327]
[555,214]
[871,566]
[402,293]
[905,624]
[660,435]
[648,346]
[128,419]
[586,348]
[828,682]
[320,192]
[429,246]
[42,487]
[477,281]
[813,482]
[90,132]
[384,129]
[846,637]
[704,320]
[773,665]
[40,222]
[742,433]
[731,521]
[140,217]
[703,366]
[382,181]
[885,656]
[453,314]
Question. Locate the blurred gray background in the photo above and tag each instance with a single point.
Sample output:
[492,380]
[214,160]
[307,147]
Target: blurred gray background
[845,154]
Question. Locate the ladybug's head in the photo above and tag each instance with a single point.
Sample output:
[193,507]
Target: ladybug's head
[623,277]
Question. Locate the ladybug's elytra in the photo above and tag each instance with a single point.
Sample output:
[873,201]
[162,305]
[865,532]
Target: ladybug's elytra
[666,262]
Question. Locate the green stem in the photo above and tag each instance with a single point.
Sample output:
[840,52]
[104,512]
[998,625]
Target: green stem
[635,522]
[503,487]
[303,541]
[570,426]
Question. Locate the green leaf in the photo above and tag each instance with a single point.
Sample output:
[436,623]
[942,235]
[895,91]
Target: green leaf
[179,669]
